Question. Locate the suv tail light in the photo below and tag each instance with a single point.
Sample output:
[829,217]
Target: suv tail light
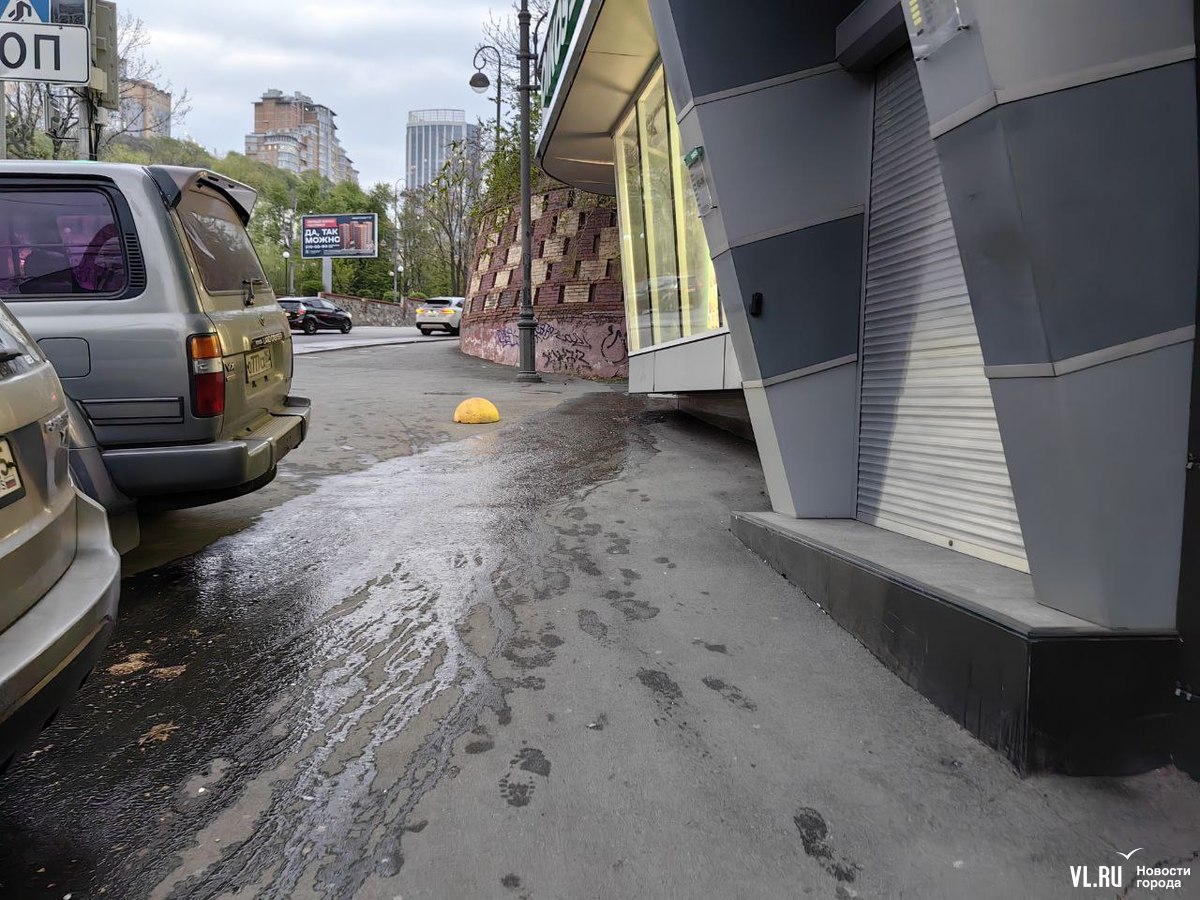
[208,376]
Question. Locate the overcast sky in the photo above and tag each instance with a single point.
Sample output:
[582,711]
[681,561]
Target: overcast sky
[371,61]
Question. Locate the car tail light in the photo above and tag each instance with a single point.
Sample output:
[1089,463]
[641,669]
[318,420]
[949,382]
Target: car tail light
[208,376]
[447,312]
[420,311]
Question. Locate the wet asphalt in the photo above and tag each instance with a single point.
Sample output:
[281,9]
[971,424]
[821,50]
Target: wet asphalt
[523,662]
[320,632]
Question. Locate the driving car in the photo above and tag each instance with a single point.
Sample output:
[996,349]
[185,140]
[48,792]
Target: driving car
[311,314]
[59,572]
[142,287]
[440,314]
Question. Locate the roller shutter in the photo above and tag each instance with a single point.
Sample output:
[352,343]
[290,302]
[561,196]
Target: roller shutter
[931,463]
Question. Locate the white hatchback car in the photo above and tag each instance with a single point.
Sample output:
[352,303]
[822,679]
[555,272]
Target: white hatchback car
[440,314]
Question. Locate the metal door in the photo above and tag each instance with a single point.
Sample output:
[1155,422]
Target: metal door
[931,463]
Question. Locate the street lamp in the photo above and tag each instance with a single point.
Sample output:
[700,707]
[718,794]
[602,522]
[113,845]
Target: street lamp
[396,238]
[526,322]
[287,271]
[480,82]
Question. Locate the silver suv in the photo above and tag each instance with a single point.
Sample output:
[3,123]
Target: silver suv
[144,290]
[59,573]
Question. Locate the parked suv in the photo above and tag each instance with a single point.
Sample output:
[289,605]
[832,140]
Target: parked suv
[311,314]
[440,314]
[143,289]
[59,573]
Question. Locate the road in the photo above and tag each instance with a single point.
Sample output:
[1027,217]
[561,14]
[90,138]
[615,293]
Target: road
[362,336]
[528,661]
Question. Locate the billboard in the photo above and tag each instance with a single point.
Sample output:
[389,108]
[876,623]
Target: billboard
[353,236]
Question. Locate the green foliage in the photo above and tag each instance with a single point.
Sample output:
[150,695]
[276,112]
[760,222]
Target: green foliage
[282,199]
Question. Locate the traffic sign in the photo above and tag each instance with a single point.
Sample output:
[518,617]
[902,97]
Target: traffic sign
[54,54]
[30,12]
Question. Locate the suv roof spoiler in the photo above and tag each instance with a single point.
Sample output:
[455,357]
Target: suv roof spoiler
[174,181]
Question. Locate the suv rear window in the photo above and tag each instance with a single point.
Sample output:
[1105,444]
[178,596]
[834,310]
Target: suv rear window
[60,244]
[223,251]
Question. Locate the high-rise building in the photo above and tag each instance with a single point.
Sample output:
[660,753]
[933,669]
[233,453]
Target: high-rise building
[145,109]
[431,133]
[294,133]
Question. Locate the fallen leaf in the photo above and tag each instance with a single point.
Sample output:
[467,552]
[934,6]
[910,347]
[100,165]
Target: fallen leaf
[158,734]
[168,673]
[136,662]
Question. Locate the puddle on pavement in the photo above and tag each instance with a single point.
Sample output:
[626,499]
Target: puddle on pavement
[301,654]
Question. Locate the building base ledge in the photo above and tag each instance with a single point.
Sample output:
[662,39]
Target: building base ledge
[1047,690]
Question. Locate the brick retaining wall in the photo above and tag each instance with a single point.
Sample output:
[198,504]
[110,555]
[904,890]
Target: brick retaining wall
[578,297]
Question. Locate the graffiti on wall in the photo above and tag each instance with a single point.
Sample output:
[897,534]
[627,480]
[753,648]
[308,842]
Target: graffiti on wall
[615,348]
[545,333]
[566,359]
[593,346]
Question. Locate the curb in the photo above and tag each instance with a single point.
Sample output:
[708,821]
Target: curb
[397,342]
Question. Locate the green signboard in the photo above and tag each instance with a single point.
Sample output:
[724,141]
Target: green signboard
[564,20]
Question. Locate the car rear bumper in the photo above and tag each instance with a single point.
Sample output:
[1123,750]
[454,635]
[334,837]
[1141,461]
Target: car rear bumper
[47,654]
[437,323]
[160,471]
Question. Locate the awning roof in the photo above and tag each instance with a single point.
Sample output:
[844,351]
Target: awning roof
[600,79]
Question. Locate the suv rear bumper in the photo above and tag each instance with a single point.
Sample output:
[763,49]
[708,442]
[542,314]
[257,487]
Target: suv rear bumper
[222,466]
[47,654]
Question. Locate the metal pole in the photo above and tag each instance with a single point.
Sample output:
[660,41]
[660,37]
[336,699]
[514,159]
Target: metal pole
[4,121]
[499,95]
[526,323]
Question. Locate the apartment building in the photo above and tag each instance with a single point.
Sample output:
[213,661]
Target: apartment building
[295,133]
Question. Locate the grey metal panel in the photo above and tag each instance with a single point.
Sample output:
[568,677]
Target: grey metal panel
[769,452]
[992,242]
[1076,35]
[870,34]
[641,374]
[791,155]
[695,366]
[811,282]
[956,76]
[735,315]
[931,463]
[1098,464]
[813,419]
[727,45]
[733,371]
[1065,260]
[1114,237]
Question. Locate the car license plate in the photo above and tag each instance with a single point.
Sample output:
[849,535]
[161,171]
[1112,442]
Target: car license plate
[11,488]
[258,363]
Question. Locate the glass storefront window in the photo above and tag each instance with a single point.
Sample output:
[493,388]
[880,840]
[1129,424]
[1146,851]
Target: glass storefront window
[670,283]
[635,267]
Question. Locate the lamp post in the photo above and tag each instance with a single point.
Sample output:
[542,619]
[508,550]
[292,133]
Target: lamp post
[287,271]
[480,83]
[526,322]
[396,238]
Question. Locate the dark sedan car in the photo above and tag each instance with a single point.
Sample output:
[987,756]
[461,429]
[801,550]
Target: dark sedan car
[311,314]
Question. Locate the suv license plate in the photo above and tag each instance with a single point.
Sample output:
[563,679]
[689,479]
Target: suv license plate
[11,488]
[258,363]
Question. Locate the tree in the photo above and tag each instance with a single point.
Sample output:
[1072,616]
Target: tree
[448,206]
[137,71]
[43,121]
[504,33]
